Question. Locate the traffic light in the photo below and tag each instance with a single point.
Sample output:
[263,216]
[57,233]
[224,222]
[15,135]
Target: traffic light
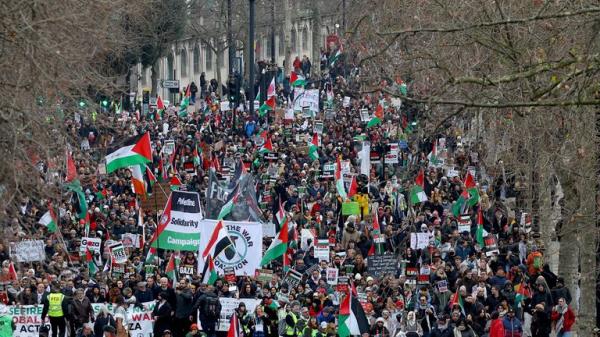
[104,103]
[82,103]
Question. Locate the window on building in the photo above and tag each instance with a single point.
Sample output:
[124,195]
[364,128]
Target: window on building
[196,59]
[304,38]
[209,57]
[184,65]
[293,41]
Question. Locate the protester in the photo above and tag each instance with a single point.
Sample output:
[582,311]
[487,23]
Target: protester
[563,318]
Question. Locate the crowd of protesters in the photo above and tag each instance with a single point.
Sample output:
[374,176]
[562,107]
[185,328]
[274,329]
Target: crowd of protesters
[509,293]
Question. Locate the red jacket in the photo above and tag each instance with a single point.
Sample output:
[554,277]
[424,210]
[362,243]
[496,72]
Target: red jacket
[567,322]
[497,328]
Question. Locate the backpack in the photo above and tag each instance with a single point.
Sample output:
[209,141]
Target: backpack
[212,308]
[537,262]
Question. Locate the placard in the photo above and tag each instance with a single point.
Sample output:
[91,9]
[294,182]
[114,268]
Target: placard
[491,245]
[346,102]
[419,240]
[264,275]
[168,147]
[322,250]
[350,208]
[332,276]
[228,307]
[464,224]
[229,274]
[442,286]
[292,278]
[118,253]
[130,240]
[342,285]
[28,251]
[329,114]
[93,244]
[328,170]
[380,265]
[225,106]
[364,115]
[318,127]
[289,115]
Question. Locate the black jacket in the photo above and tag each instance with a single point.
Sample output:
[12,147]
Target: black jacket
[162,318]
[184,303]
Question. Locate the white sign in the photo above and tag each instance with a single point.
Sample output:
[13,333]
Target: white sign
[364,115]
[322,250]
[346,102]
[289,114]
[225,106]
[396,103]
[306,235]
[93,244]
[306,98]
[268,229]
[169,147]
[332,276]
[452,173]
[419,240]
[28,251]
[228,307]
[118,253]
[170,84]
[130,240]
[246,254]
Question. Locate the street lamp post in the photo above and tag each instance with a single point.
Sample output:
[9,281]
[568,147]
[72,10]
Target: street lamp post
[273,31]
[251,58]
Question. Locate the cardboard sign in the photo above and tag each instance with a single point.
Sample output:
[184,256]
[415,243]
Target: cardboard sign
[491,245]
[442,286]
[364,115]
[328,170]
[332,276]
[380,265]
[350,208]
[464,224]
[424,273]
[169,147]
[225,106]
[318,127]
[130,240]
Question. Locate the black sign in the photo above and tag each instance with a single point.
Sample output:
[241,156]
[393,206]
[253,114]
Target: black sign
[292,278]
[188,202]
[272,156]
[380,265]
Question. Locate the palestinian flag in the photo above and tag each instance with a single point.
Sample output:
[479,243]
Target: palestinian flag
[49,220]
[433,156]
[171,269]
[160,108]
[402,87]
[339,180]
[267,145]
[196,155]
[378,118]
[165,219]
[457,299]
[268,105]
[209,276]
[185,102]
[522,292]
[219,241]
[333,59]
[271,88]
[89,258]
[71,169]
[352,320]
[280,215]
[278,246]
[313,148]
[228,207]
[152,256]
[12,272]
[138,152]
[102,194]
[175,182]
[481,233]
[257,98]
[417,193]
[471,190]
[234,327]
[297,80]
[353,189]
[377,234]
[459,205]
[138,181]
[78,194]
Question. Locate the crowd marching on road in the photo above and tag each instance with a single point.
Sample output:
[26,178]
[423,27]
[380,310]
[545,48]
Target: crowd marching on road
[371,226]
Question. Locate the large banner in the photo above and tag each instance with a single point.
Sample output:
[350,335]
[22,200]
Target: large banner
[28,321]
[246,254]
[181,220]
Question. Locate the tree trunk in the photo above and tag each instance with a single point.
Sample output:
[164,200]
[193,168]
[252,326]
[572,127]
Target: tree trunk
[287,35]
[316,40]
[154,79]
